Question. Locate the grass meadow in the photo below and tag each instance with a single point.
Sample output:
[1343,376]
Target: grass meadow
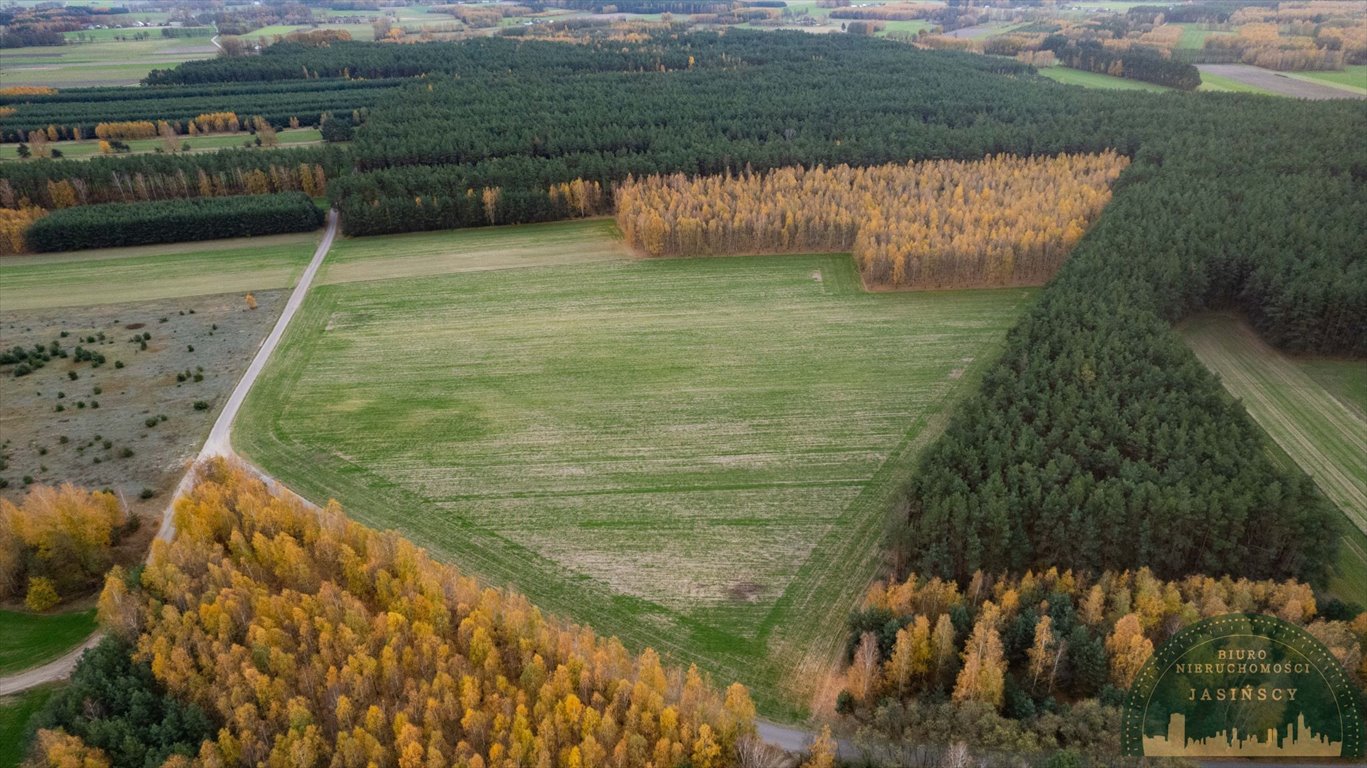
[28,639]
[1352,77]
[15,713]
[143,273]
[692,454]
[1323,430]
[1220,84]
[1069,76]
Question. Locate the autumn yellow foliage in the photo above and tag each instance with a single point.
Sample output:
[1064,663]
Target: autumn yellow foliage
[1131,613]
[131,129]
[1003,220]
[308,634]
[14,222]
[61,534]
[27,90]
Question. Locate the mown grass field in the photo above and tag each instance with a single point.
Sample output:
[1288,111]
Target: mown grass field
[1069,76]
[472,250]
[15,713]
[1325,437]
[1194,36]
[80,150]
[1352,78]
[114,275]
[695,455]
[1353,75]
[1221,84]
[27,639]
[123,62]
[362,32]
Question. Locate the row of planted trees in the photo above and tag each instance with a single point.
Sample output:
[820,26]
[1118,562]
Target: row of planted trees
[1000,221]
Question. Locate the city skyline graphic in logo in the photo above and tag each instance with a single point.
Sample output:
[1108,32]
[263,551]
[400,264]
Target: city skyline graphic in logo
[1242,685]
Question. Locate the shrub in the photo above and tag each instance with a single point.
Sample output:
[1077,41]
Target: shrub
[201,405]
[42,595]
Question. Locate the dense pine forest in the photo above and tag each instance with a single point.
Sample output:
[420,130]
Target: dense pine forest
[171,221]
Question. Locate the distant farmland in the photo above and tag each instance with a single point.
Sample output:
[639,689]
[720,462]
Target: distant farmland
[693,454]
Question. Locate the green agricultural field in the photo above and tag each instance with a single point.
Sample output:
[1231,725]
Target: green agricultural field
[910,27]
[1352,78]
[80,150]
[27,640]
[111,275]
[1069,76]
[15,713]
[1323,436]
[1346,380]
[1194,36]
[691,454]
[1221,84]
[472,250]
[362,32]
[98,64]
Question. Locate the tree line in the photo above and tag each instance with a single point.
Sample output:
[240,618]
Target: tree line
[295,61]
[305,639]
[934,224]
[1135,63]
[75,113]
[1037,647]
[111,225]
[64,183]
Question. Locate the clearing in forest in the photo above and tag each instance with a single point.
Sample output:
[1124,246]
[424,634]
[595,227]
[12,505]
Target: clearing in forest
[1324,433]
[692,454]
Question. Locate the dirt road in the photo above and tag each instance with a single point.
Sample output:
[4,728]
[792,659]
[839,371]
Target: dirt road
[217,444]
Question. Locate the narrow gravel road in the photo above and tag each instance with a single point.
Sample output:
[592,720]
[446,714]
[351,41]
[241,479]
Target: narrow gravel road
[217,444]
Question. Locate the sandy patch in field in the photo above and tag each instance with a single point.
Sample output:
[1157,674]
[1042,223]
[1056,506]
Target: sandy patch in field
[145,388]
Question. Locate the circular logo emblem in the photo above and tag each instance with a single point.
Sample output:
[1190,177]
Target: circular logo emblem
[1242,685]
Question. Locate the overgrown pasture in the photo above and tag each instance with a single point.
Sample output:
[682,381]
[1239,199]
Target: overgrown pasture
[692,454]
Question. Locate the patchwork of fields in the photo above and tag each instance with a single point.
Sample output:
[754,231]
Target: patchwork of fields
[691,454]
[123,62]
